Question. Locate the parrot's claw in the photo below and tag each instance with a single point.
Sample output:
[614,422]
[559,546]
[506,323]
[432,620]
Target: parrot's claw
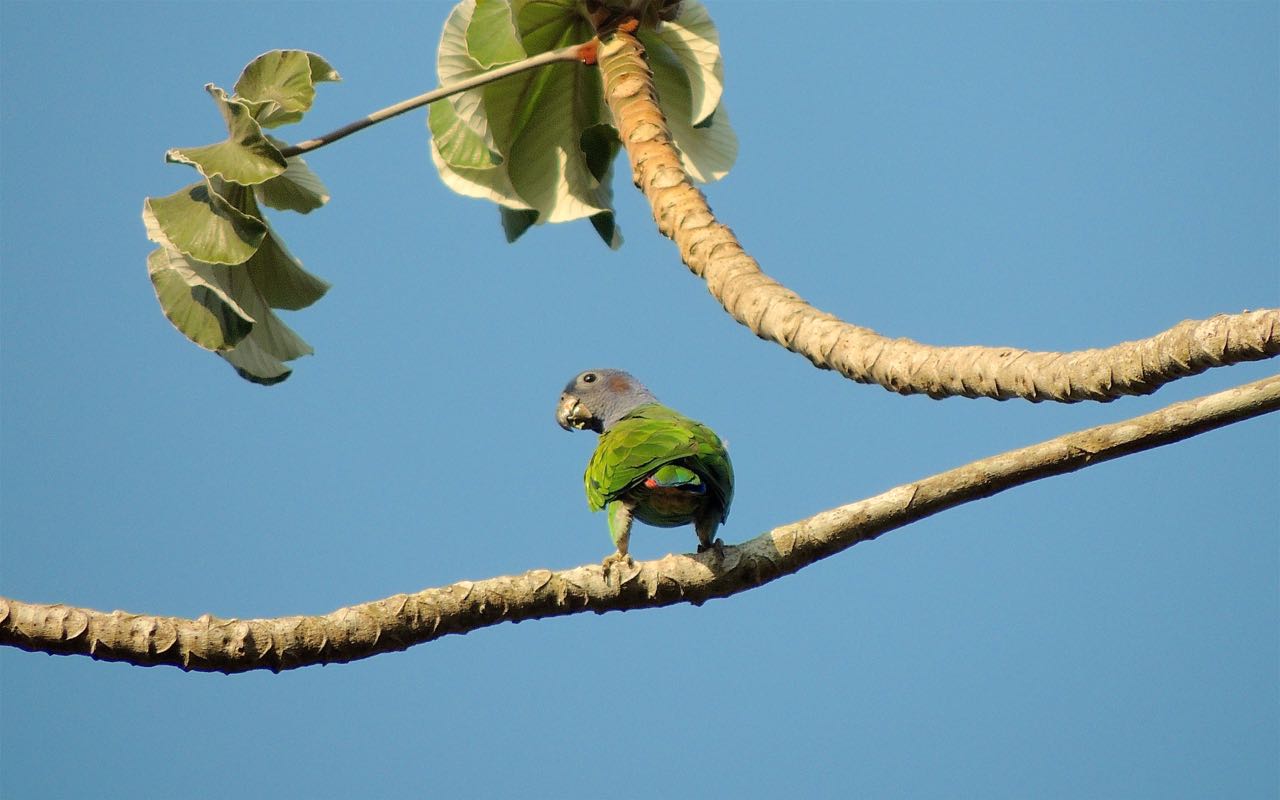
[717,545]
[616,558]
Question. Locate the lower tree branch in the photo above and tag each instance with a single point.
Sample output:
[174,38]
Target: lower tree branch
[772,311]
[395,623]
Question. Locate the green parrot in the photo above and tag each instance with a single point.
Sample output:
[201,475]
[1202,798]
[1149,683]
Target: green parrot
[652,463]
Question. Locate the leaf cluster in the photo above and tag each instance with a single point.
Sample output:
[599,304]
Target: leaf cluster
[542,144]
[220,267]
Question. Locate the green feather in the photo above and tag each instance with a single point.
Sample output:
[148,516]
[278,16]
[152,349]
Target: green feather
[648,439]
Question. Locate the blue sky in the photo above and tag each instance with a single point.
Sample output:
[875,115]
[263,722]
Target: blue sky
[1047,176]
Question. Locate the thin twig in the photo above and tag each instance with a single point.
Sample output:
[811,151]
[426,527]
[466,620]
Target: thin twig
[584,52]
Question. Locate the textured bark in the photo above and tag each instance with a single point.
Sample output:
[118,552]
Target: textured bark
[772,311]
[395,623]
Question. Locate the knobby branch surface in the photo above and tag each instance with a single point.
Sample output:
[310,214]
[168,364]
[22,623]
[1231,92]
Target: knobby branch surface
[395,623]
[772,311]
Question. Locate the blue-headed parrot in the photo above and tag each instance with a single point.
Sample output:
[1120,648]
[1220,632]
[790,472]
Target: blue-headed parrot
[652,463]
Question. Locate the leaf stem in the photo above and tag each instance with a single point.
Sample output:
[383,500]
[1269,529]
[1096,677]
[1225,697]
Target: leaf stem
[584,52]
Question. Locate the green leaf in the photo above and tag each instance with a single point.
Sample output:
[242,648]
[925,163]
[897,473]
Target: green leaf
[491,35]
[537,143]
[194,303]
[693,40]
[548,24]
[458,145]
[516,221]
[461,143]
[203,225]
[707,150]
[280,278]
[537,118]
[246,157]
[454,63]
[269,332]
[296,189]
[321,70]
[608,229]
[259,356]
[276,274]
[280,85]
[256,365]
[600,145]
[487,179]
[544,161]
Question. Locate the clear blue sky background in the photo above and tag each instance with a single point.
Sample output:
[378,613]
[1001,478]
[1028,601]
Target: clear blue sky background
[1043,176]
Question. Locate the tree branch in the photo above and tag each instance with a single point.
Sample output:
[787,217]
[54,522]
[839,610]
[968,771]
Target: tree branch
[584,52]
[395,623]
[772,311]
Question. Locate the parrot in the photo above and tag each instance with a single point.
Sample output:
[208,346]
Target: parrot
[651,463]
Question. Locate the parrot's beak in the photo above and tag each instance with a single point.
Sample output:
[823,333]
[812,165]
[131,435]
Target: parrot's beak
[573,415]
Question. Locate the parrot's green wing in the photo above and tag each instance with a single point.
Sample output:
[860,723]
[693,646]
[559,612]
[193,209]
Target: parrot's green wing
[648,438]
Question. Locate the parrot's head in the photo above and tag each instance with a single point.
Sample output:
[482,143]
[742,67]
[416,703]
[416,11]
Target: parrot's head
[597,398]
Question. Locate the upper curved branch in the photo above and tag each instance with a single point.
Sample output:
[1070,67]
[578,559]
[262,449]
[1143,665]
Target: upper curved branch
[395,623]
[772,311]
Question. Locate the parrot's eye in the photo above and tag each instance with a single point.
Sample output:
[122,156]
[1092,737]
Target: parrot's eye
[590,377]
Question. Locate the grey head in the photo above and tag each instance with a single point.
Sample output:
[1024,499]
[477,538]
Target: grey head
[596,399]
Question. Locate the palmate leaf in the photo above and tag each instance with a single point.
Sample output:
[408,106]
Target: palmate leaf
[296,189]
[458,144]
[466,164]
[280,277]
[279,86]
[462,145]
[538,117]
[454,63]
[693,40]
[246,157]
[202,224]
[252,362]
[516,221]
[600,145]
[260,356]
[193,301]
[514,141]
[608,229]
[493,39]
[708,146]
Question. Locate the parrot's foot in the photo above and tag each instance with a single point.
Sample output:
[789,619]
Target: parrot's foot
[717,545]
[617,558]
